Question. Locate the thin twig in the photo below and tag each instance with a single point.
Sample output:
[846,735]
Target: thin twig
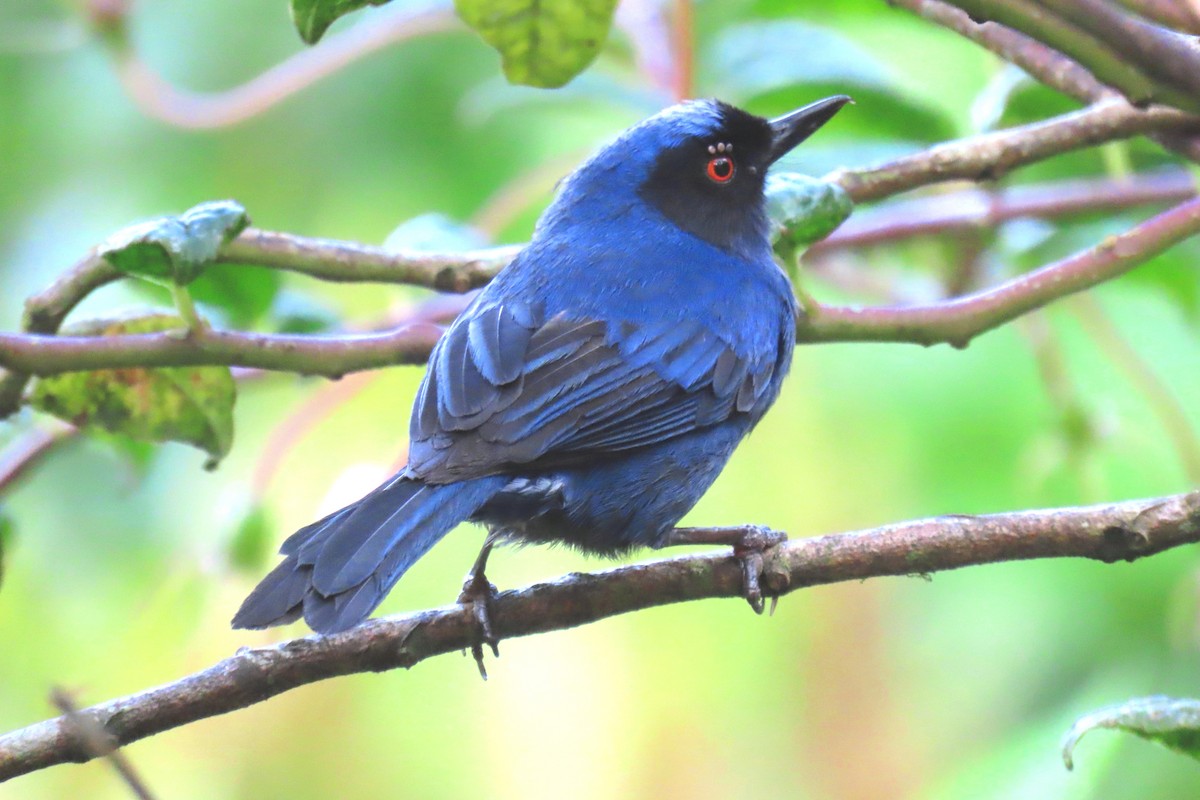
[1162,401]
[958,320]
[991,155]
[332,356]
[1041,61]
[1044,63]
[955,321]
[45,311]
[97,743]
[24,453]
[1112,69]
[974,209]
[1182,15]
[1167,56]
[683,45]
[201,110]
[340,261]
[1108,533]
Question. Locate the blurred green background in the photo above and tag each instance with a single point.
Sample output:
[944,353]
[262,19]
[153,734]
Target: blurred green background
[122,571]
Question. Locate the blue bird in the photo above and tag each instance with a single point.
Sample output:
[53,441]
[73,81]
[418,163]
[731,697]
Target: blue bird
[596,387]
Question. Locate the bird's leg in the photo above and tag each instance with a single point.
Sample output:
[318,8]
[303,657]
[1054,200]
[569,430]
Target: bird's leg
[749,542]
[478,592]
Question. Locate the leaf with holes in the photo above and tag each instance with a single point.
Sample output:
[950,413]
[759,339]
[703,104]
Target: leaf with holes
[175,250]
[184,404]
[1172,722]
[541,42]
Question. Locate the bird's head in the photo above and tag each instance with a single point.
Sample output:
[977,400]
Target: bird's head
[702,165]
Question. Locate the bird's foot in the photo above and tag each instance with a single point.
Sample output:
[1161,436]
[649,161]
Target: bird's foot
[749,542]
[477,594]
[756,540]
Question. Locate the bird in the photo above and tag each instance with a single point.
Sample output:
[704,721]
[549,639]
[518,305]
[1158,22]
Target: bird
[595,388]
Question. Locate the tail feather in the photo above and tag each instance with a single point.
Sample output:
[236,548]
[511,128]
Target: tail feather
[348,558]
[338,569]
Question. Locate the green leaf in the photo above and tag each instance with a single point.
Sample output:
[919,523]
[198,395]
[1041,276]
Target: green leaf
[245,293]
[175,250]
[313,17]
[803,210]
[184,404]
[541,42]
[250,546]
[1171,722]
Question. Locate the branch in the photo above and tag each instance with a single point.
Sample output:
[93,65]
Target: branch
[348,262]
[1108,533]
[977,157]
[1109,67]
[1172,414]
[326,259]
[1181,16]
[331,356]
[991,155]
[1044,63]
[96,742]
[160,100]
[1164,54]
[976,209]
[956,321]
[25,452]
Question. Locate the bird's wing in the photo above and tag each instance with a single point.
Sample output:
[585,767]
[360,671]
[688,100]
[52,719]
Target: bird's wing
[504,388]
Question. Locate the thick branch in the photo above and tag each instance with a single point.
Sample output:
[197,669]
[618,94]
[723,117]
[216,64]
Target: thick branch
[1108,533]
[958,320]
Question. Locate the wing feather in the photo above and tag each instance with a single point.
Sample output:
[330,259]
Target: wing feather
[505,388]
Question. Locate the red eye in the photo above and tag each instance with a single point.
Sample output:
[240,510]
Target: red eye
[720,169]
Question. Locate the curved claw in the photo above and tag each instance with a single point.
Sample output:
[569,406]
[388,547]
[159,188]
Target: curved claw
[477,593]
[749,543]
[749,550]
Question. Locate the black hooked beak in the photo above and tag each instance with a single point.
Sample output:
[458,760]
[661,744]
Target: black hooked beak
[792,129]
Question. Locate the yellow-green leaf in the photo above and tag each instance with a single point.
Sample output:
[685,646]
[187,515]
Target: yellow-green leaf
[541,43]
[183,404]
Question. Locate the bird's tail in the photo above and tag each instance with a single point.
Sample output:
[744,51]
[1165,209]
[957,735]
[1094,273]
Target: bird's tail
[338,569]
